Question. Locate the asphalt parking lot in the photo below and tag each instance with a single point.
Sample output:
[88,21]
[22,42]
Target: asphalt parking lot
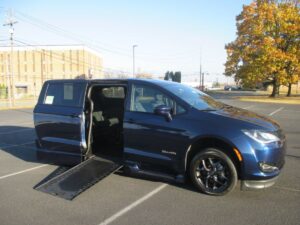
[125,200]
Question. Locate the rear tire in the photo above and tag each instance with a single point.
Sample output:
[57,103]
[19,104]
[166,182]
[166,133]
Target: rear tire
[213,172]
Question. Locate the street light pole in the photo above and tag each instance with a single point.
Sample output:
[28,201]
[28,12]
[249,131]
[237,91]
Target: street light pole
[133,60]
[201,77]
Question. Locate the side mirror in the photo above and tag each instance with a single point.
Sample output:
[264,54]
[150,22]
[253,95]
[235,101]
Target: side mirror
[165,111]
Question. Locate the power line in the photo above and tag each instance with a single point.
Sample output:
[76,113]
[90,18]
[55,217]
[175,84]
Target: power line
[60,29]
[67,34]
[109,70]
[59,58]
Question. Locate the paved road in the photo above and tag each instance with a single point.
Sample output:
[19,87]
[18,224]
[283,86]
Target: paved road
[124,200]
[19,103]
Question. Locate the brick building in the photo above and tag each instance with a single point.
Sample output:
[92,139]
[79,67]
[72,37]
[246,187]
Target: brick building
[32,65]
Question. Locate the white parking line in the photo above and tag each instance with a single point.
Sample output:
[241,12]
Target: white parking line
[11,146]
[22,171]
[276,111]
[133,205]
[248,107]
[287,188]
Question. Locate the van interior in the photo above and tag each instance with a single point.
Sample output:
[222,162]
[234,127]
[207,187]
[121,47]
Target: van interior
[107,120]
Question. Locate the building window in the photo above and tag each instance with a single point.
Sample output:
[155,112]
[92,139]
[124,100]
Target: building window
[51,62]
[19,63]
[70,60]
[2,64]
[77,56]
[63,62]
[33,61]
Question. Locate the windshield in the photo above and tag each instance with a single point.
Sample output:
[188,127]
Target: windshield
[194,97]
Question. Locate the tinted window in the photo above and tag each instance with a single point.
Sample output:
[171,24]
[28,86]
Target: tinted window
[65,94]
[114,92]
[145,99]
[193,97]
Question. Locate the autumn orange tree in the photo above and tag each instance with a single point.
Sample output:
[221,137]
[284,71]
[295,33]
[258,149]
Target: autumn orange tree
[267,45]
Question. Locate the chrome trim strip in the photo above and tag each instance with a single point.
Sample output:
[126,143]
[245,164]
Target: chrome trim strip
[186,155]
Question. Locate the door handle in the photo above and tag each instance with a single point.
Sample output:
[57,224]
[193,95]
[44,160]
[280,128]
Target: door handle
[75,116]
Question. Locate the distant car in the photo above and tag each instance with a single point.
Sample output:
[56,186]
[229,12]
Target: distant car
[232,88]
[158,128]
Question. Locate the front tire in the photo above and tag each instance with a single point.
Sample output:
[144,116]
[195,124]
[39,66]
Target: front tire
[213,172]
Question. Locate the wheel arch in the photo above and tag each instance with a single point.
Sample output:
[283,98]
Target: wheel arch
[220,143]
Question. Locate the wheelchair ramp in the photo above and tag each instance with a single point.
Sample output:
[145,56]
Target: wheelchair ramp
[71,183]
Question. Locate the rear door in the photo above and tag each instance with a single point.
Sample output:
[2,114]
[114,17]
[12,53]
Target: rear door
[59,121]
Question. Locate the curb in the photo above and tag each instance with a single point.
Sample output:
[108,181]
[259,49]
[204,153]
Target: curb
[16,107]
[289,102]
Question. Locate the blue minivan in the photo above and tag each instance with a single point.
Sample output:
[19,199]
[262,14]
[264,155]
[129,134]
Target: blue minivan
[158,128]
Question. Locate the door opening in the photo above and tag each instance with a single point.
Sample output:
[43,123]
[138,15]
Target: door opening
[107,120]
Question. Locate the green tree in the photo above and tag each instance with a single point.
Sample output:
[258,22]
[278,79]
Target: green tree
[170,75]
[177,77]
[167,76]
[267,45]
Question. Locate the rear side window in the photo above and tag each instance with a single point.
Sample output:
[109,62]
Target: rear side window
[114,92]
[65,94]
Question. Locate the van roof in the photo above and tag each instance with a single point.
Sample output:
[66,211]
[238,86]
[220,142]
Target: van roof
[153,81]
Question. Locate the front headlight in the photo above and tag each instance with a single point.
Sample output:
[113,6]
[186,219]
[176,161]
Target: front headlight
[262,137]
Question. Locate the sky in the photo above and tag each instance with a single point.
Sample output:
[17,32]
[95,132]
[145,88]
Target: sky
[171,34]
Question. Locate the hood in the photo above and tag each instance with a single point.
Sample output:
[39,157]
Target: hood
[247,116]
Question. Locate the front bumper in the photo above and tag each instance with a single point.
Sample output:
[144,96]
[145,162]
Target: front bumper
[257,184]
[254,156]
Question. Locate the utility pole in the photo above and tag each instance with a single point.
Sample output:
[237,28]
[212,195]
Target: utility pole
[201,78]
[11,89]
[8,82]
[133,60]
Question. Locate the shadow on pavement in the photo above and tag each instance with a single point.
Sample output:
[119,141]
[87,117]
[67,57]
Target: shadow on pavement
[187,185]
[19,142]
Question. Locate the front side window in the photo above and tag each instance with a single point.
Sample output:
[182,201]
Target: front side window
[194,97]
[65,94]
[146,99]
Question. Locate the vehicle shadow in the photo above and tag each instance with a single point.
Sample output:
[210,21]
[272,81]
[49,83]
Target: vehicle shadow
[187,185]
[18,141]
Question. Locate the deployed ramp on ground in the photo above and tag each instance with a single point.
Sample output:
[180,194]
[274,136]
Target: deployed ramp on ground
[71,183]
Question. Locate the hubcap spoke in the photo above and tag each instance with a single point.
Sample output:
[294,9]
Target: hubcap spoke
[219,182]
[211,162]
[204,165]
[223,177]
[206,181]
